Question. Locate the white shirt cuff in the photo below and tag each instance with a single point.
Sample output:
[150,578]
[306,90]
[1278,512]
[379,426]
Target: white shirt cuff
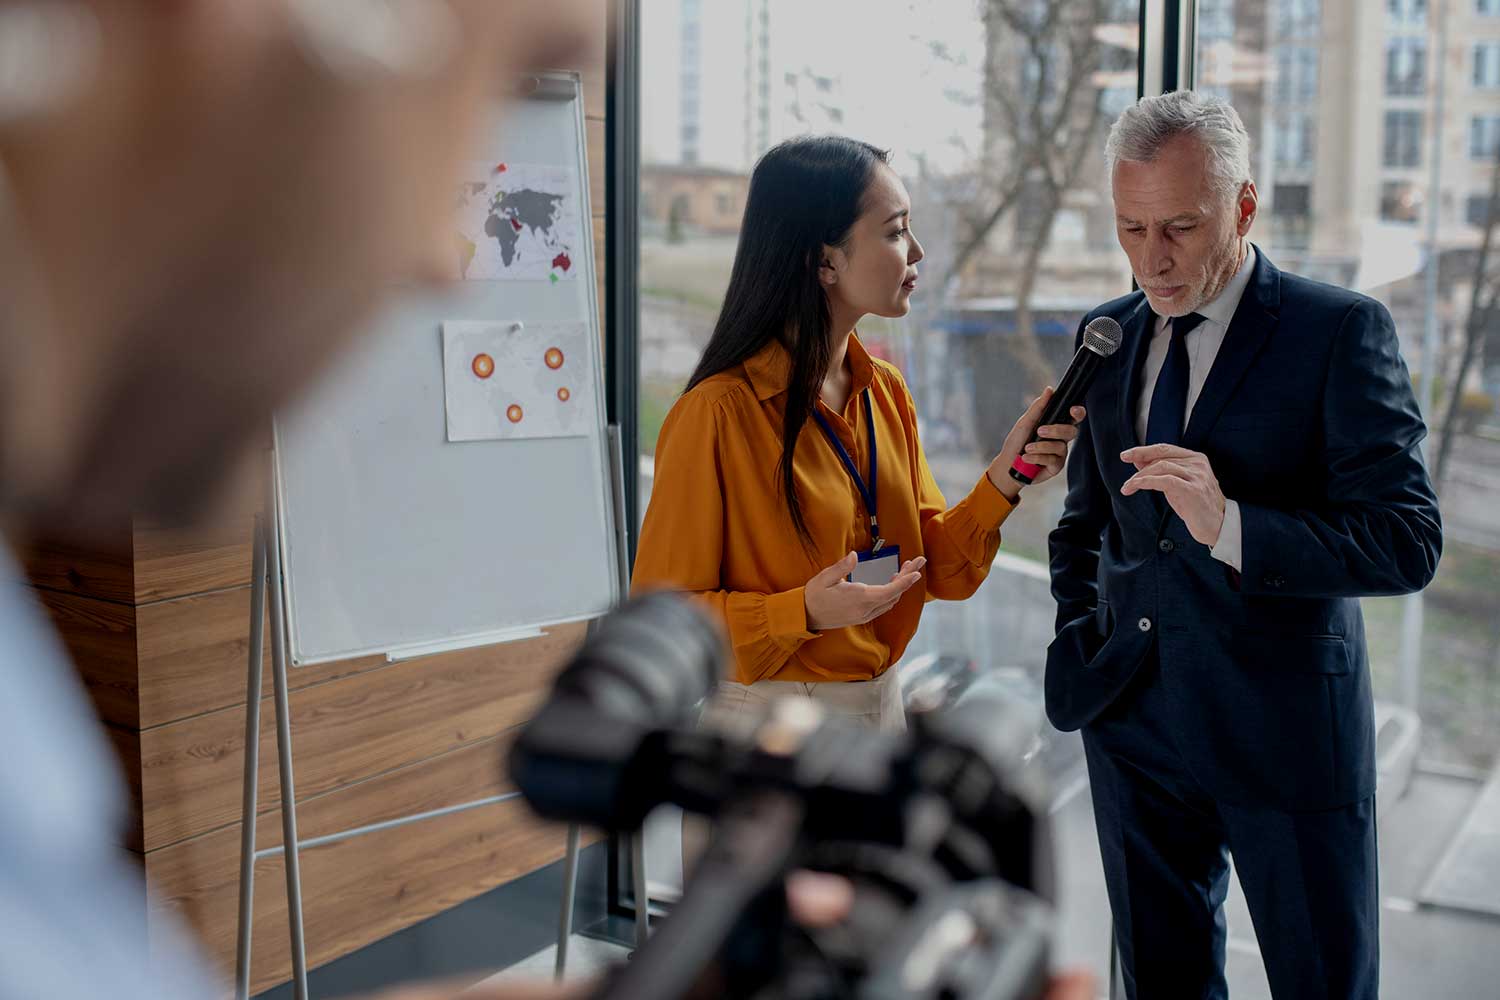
[1229,550]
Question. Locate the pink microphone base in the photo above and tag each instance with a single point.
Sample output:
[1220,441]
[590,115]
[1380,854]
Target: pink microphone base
[1026,469]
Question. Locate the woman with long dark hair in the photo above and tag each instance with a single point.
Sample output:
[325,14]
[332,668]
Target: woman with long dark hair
[791,492]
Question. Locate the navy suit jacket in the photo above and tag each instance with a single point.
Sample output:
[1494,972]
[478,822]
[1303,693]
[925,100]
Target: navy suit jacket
[1310,424]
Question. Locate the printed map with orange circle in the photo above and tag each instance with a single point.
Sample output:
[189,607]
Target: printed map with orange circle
[514,380]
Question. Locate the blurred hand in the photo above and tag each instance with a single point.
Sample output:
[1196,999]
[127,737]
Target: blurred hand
[1073,985]
[1050,453]
[833,602]
[817,899]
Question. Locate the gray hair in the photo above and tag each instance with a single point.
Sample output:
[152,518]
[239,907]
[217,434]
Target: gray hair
[1145,127]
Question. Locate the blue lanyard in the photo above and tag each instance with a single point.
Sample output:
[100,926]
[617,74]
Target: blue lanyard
[866,490]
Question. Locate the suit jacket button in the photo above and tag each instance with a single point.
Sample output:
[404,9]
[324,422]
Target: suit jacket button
[1166,545]
[1144,624]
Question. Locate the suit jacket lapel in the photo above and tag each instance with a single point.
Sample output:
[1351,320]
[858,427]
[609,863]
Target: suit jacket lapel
[1253,323]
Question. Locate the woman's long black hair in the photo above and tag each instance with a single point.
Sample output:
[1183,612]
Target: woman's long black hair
[805,194]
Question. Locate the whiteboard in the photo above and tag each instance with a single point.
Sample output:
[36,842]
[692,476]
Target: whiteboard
[395,539]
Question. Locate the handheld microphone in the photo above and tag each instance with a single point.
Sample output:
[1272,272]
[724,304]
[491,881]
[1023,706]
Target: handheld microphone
[1101,338]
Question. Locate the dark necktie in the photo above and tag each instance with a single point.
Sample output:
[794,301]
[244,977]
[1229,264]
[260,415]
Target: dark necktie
[1168,414]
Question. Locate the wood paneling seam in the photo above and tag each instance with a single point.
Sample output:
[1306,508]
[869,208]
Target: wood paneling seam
[274,805]
[79,595]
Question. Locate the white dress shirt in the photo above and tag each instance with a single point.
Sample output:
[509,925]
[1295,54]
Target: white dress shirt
[1203,345]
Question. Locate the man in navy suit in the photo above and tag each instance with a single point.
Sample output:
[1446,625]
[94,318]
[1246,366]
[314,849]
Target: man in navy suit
[1249,469]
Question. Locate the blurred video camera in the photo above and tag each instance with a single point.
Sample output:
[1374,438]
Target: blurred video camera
[939,831]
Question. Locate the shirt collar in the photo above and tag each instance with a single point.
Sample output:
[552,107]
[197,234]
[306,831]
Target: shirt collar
[1221,309]
[770,369]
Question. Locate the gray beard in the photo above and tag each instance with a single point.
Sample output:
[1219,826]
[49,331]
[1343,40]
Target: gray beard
[1234,260]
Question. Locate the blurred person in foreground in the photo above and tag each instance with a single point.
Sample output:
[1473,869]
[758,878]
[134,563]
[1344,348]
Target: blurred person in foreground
[200,202]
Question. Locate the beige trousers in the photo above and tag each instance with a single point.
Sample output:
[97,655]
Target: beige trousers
[875,703]
[737,707]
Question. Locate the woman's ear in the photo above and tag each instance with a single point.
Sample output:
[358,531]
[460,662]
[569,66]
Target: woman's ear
[831,262]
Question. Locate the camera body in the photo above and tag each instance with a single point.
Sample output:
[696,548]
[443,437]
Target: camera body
[940,830]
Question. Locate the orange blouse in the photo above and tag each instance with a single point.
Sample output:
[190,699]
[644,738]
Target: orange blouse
[718,526]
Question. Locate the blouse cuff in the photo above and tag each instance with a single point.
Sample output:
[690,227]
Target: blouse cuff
[987,505]
[786,617]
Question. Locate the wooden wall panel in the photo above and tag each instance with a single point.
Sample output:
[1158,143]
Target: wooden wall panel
[172,563]
[345,730]
[360,890]
[593,132]
[100,638]
[103,570]
[602,278]
[194,654]
[593,67]
[594,94]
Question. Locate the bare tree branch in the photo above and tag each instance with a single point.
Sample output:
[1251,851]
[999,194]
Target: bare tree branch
[1045,111]
[1478,320]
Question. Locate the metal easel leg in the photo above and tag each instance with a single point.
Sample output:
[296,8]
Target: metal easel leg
[622,561]
[252,764]
[569,896]
[642,899]
[284,753]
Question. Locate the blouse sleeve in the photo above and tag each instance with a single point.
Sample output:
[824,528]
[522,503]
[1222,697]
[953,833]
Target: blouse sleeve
[682,537]
[960,542]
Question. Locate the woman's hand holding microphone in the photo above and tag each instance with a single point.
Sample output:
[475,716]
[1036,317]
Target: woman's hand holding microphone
[1049,453]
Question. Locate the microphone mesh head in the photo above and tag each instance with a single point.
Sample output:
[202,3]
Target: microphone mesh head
[1103,336]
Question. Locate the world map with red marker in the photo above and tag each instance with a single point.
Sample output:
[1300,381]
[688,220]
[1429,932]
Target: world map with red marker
[517,222]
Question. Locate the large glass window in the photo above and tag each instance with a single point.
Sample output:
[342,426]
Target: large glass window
[1487,66]
[1405,67]
[996,113]
[1297,75]
[1403,139]
[1294,139]
[1363,200]
[1405,13]
[1347,197]
[1484,137]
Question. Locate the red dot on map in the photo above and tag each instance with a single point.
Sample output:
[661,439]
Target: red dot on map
[514,414]
[515,224]
[564,395]
[554,358]
[501,168]
[484,365]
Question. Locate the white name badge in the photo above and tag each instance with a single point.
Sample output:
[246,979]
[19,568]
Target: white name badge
[877,566]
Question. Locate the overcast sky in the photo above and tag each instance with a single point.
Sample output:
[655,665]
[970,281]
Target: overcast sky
[891,89]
